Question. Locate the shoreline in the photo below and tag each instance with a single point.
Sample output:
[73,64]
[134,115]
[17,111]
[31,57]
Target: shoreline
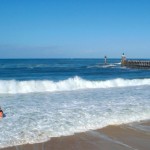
[135,136]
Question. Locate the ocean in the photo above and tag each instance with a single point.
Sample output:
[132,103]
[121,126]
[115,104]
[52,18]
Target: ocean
[44,98]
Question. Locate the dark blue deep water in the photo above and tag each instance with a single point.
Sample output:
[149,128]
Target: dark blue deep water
[60,69]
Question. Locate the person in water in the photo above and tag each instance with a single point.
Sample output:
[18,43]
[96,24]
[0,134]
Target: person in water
[1,113]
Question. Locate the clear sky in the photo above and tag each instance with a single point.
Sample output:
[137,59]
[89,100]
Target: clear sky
[74,28]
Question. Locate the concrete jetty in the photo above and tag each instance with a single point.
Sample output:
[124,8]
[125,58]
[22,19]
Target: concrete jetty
[135,63]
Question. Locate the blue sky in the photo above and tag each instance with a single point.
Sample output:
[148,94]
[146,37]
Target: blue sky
[74,28]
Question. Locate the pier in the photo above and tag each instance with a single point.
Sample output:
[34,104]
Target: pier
[135,63]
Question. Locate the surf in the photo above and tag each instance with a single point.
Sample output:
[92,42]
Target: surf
[75,83]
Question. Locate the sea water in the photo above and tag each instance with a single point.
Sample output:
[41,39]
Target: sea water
[44,98]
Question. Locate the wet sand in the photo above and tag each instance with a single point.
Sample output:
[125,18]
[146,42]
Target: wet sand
[123,137]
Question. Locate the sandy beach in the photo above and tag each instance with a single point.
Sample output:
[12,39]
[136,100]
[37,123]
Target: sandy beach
[134,136]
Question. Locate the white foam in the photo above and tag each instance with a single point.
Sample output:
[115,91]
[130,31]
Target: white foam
[103,66]
[118,63]
[13,86]
[108,66]
[32,118]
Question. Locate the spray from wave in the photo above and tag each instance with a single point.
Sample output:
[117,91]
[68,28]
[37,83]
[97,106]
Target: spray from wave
[103,66]
[14,87]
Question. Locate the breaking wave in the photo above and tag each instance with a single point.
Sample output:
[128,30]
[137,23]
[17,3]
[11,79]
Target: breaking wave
[14,87]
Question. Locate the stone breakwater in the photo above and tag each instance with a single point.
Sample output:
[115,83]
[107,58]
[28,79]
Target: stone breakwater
[136,63]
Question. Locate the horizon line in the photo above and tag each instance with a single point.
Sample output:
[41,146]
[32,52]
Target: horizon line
[73,58]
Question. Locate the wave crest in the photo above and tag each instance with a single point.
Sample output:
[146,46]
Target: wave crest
[14,87]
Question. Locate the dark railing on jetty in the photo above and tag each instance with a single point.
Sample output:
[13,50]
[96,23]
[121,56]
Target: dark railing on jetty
[136,63]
